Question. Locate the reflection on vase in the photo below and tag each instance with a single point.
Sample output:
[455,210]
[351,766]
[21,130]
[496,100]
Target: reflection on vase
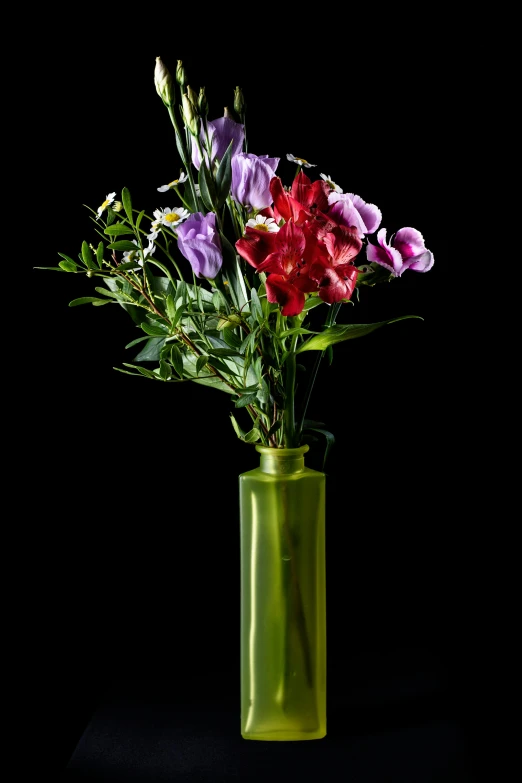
[283,598]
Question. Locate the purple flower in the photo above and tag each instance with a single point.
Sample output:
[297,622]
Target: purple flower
[350,210]
[251,175]
[200,244]
[406,251]
[221,132]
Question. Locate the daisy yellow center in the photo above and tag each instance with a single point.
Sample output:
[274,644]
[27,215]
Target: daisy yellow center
[171,217]
[302,160]
[174,182]
[262,227]
[105,204]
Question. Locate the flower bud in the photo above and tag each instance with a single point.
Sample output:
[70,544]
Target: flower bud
[239,101]
[163,82]
[202,103]
[193,98]
[228,113]
[190,115]
[180,75]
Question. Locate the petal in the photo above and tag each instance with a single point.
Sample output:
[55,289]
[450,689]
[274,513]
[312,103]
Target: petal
[409,242]
[370,214]
[421,263]
[285,294]
[256,245]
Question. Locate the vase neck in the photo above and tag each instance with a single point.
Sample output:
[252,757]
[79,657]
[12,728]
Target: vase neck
[282,461]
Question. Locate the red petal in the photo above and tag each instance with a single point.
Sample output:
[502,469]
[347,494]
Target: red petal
[256,245]
[285,294]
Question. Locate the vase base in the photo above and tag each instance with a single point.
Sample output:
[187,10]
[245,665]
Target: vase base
[285,736]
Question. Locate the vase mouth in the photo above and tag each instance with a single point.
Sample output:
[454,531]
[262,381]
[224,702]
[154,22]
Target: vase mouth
[276,452]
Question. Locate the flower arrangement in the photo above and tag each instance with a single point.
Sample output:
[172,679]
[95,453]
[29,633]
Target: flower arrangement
[243,277]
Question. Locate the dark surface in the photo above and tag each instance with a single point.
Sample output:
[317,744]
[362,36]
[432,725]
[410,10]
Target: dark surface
[137,563]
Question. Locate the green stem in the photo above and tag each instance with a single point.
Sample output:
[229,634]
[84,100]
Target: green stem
[330,321]
[289,412]
[185,159]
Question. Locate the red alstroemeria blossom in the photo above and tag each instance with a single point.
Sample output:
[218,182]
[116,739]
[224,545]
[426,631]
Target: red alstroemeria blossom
[313,196]
[255,245]
[288,281]
[335,273]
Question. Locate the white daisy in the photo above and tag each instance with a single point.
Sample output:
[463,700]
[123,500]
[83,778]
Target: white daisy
[300,161]
[134,256]
[263,223]
[331,183]
[170,217]
[175,182]
[108,201]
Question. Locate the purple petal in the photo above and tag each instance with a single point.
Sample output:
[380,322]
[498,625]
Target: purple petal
[409,242]
[421,263]
[370,214]
[386,256]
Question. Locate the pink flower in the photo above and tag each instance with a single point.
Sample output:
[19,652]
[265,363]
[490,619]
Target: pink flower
[406,251]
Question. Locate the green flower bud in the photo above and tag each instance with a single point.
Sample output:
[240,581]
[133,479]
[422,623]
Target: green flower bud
[163,82]
[180,75]
[202,103]
[193,98]
[239,101]
[190,117]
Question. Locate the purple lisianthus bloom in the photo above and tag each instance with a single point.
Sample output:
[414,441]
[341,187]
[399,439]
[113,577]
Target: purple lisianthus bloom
[221,132]
[406,251]
[200,244]
[251,175]
[350,210]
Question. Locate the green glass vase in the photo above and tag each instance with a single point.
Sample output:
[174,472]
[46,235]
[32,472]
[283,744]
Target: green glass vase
[283,598]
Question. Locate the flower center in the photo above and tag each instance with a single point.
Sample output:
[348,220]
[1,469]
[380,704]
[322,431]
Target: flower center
[171,217]
[302,160]
[262,227]
[105,204]
[174,182]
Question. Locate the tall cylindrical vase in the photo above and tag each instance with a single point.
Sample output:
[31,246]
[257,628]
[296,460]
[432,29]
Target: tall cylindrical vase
[283,598]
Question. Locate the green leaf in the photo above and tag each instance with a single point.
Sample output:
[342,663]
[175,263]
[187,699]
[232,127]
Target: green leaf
[239,432]
[207,188]
[252,436]
[88,300]
[340,333]
[255,302]
[139,219]
[296,330]
[127,204]
[99,254]
[177,359]
[142,370]
[88,257]
[67,266]
[171,307]
[275,426]
[117,229]
[165,370]
[232,273]
[223,352]
[245,399]
[201,362]
[312,301]
[224,177]
[151,351]
[155,329]
[67,258]
[123,244]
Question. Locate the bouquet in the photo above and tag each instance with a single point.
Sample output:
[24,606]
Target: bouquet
[241,282]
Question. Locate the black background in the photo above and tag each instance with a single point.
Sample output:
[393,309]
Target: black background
[138,550]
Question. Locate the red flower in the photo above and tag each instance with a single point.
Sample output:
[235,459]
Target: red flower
[288,280]
[303,201]
[334,271]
